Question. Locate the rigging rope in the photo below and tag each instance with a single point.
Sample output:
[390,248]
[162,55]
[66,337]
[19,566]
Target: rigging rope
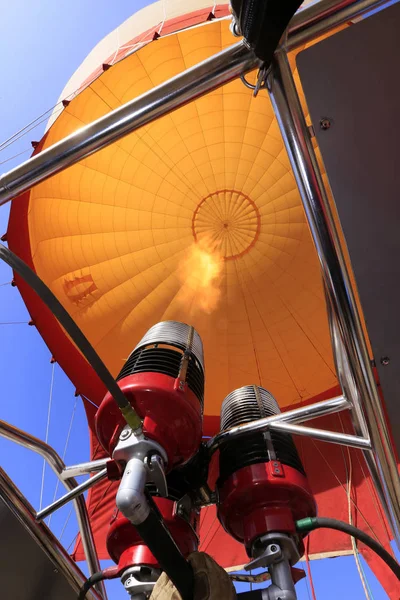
[64,452]
[15,156]
[66,523]
[12,139]
[20,134]
[91,514]
[314,597]
[164,6]
[308,589]
[378,507]
[203,541]
[342,485]
[349,473]
[47,433]
[46,115]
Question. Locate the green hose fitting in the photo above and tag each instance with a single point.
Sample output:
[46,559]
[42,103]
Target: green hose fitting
[132,418]
[307,524]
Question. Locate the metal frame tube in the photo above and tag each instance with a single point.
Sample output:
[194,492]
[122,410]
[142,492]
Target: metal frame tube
[86,468]
[199,80]
[369,413]
[343,439]
[72,495]
[161,100]
[297,415]
[57,465]
[323,16]
[343,371]
[208,75]
[21,508]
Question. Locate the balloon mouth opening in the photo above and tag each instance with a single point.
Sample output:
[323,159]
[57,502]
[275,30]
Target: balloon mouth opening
[229,220]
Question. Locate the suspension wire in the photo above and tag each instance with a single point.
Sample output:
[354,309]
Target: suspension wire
[378,507]
[349,485]
[92,512]
[89,400]
[117,48]
[361,573]
[11,139]
[308,588]
[309,574]
[64,452]
[164,6]
[14,323]
[66,522]
[342,485]
[72,542]
[47,432]
[203,541]
[351,503]
[211,538]
[15,156]
[6,283]
[27,129]
[53,110]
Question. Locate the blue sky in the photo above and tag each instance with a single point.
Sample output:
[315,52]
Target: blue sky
[42,44]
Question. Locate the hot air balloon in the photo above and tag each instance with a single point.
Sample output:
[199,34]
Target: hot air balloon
[196,218]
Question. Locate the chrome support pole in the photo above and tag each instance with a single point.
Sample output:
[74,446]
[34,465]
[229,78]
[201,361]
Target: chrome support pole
[86,468]
[208,75]
[161,100]
[343,439]
[75,493]
[21,508]
[57,465]
[367,410]
[343,370]
[323,16]
[297,415]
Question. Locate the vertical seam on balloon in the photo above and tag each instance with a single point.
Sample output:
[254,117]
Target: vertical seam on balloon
[199,119]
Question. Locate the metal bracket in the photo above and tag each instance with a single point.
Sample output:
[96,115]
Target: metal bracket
[277,552]
[156,473]
[271,554]
[184,509]
[139,581]
[149,452]
[273,541]
[261,83]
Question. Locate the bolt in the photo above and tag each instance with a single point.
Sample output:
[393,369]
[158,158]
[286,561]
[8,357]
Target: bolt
[325,124]
[55,570]
[125,433]
[385,360]
[273,548]
[276,471]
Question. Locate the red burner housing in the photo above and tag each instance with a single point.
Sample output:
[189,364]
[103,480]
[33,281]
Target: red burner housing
[126,548]
[262,484]
[171,416]
[263,498]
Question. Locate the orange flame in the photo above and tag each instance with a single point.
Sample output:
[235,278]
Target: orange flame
[200,275]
